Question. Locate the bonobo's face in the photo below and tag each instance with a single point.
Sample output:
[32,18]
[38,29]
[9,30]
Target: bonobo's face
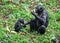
[21,20]
[39,9]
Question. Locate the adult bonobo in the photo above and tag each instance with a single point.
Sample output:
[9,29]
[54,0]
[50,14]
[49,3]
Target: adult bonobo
[41,20]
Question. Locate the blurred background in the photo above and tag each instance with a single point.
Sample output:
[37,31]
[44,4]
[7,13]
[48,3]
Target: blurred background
[12,10]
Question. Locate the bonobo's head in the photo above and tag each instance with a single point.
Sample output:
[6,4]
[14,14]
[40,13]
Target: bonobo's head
[21,20]
[39,9]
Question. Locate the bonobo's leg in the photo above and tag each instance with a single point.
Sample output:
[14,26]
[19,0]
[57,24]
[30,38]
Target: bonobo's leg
[41,29]
[32,25]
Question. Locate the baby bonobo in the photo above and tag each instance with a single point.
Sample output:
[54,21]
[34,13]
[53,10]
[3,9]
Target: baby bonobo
[18,24]
[38,24]
[41,20]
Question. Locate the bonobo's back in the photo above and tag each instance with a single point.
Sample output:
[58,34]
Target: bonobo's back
[47,18]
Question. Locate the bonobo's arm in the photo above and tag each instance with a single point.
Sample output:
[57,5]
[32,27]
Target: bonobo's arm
[27,23]
[43,20]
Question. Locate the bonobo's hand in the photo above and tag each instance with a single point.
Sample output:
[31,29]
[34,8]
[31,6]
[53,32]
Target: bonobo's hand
[34,14]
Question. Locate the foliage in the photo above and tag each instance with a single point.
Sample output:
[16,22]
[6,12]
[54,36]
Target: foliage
[11,11]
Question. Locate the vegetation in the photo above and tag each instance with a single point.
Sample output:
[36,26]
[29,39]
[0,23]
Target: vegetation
[12,10]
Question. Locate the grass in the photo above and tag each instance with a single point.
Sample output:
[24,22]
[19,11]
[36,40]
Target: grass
[11,12]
